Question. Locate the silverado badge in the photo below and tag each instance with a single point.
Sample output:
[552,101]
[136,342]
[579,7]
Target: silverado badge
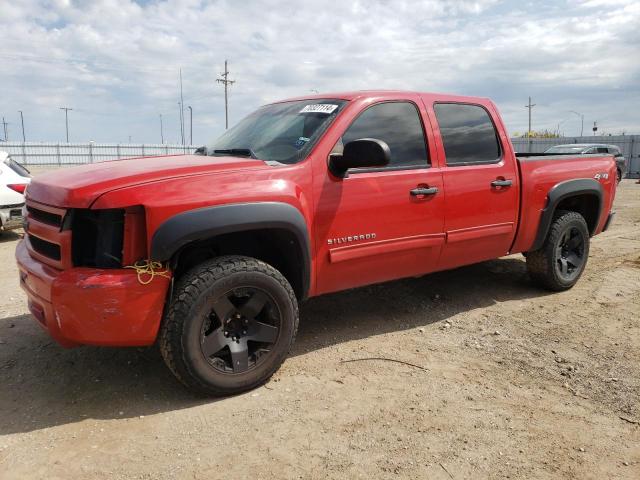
[351,238]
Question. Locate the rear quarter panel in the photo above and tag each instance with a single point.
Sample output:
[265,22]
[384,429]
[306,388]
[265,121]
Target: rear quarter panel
[538,175]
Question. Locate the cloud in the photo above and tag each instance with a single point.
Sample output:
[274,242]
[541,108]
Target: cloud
[116,62]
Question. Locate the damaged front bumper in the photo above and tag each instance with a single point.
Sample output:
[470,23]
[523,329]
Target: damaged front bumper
[92,306]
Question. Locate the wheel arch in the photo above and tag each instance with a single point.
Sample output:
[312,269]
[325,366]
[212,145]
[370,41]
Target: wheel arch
[274,232]
[583,195]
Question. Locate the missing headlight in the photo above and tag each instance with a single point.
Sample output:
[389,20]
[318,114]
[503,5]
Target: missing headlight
[97,238]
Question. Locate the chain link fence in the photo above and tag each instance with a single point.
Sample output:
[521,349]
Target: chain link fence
[52,154]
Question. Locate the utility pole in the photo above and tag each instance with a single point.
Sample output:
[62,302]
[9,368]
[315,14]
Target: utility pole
[190,125]
[181,138]
[530,107]
[581,120]
[22,122]
[181,110]
[66,119]
[226,82]
[161,132]
[4,124]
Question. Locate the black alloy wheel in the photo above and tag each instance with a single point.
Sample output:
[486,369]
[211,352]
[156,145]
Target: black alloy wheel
[558,264]
[241,328]
[230,325]
[570,253]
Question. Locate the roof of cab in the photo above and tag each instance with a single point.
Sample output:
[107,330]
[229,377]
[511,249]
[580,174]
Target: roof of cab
[358,94]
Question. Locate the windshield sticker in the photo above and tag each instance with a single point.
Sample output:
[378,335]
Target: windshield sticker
[319,108]
[300,142]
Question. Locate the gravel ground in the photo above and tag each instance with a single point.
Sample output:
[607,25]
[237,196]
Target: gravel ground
[515,383]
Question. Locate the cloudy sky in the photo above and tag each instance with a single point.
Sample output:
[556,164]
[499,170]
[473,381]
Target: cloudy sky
[116,62]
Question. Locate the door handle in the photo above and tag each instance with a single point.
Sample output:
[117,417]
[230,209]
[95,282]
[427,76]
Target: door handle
[417,192]
[501,183]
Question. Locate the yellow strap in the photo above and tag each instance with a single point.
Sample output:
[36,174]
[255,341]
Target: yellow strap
[147,269]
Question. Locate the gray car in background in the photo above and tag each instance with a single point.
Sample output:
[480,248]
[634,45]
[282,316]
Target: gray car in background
[600,148]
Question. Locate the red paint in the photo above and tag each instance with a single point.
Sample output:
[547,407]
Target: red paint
[467,221]
[92,306]
[135,236]
[342,254]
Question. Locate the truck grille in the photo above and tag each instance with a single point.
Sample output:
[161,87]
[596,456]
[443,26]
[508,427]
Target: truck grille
[46,240]
[45,248]
[44,216]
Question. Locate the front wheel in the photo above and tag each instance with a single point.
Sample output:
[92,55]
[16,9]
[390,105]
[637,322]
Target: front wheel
[230,325]
[563,257]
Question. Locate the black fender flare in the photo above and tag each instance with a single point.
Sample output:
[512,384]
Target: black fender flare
[559,192]
[208,222]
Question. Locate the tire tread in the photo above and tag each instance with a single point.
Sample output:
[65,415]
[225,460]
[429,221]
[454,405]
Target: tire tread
[540,262]
[186,293]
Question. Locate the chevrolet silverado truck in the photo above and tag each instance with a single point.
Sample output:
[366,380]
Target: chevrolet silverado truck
[210,254]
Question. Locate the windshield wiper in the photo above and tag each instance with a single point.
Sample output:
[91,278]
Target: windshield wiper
[241,152]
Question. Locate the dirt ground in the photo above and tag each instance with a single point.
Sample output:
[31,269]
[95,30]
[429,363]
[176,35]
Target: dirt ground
[517,383]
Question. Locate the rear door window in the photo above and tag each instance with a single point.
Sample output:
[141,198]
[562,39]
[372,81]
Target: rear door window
[468,134]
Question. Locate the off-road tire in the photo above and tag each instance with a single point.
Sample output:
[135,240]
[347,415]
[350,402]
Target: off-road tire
[179,337]
[542,264]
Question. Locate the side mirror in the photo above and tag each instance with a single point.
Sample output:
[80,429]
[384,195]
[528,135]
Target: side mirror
[201,150]
[361,153]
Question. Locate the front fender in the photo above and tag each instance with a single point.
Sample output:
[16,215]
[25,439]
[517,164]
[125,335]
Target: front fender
[208,222]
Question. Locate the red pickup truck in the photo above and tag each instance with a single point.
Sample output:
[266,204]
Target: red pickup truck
[209,254]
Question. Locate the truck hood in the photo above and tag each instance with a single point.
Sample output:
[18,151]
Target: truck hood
[79,187]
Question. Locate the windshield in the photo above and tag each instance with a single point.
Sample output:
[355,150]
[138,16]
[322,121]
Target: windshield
[565,150]
[281,132]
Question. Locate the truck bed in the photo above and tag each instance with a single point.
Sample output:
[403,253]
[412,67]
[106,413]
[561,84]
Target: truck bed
[539,174]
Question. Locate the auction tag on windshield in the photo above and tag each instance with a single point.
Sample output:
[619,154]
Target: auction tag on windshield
[319,108]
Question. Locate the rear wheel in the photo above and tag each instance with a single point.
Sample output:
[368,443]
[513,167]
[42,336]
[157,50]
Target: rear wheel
[619,175]
[563,257]
[230,325]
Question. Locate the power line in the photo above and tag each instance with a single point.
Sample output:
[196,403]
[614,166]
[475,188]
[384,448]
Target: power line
[225,80]
[66,119]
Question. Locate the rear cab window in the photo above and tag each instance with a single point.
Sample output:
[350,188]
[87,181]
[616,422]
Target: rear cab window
[396,123]
[468,134]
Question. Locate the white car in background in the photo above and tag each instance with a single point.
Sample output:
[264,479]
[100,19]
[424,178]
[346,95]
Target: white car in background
[14,179]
